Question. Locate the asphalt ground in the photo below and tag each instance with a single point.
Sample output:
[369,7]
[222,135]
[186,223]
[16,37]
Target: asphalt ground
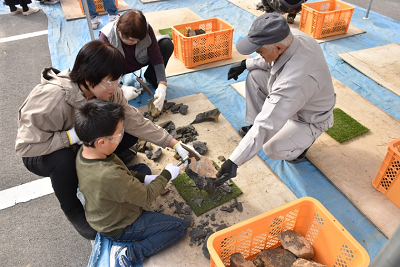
[36,233]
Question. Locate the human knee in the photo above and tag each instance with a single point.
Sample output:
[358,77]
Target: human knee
[166,47]
[273,150]
[256,76]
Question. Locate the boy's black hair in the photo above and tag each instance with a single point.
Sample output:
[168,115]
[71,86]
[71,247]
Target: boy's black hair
[97,118]
[95,61]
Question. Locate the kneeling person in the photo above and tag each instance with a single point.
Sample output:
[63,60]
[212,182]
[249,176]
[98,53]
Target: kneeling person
[114,194]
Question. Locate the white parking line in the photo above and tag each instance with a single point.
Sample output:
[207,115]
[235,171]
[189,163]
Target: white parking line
[25,192]
[23,36]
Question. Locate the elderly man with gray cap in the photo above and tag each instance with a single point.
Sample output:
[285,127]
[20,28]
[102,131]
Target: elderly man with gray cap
[289,94]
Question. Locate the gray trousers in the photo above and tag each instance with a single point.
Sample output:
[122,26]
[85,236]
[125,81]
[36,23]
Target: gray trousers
[293,138]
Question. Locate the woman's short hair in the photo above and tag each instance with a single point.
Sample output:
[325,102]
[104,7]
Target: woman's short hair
[95,61]
[97,118]
[132,24]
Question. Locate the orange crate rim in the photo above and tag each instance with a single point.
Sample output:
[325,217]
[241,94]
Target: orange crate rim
[333,244]
[387,180]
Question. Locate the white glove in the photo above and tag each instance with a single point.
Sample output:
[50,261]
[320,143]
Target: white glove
[73,137]
[149,178]
[174,170]
[159,96]
[131,92]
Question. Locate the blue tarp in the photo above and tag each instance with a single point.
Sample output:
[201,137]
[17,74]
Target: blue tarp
[67,37]
[101,252]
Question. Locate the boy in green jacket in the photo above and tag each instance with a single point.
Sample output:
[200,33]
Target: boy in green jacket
[114,195]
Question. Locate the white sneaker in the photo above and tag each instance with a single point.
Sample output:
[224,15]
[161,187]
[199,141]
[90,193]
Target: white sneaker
[95,22]
[49,2]
[115,252]
[113,17]
[131,92]
[19,10]
[31,11]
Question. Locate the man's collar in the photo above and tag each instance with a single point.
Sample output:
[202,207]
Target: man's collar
[277,65]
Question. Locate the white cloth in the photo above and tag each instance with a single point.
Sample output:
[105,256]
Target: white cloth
[174,170]
[73,137]
[292,99]
[149,178]
[131,92]
[159,96]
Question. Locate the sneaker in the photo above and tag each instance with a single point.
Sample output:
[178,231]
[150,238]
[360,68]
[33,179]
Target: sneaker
[31,11]
[95,22]
[118,257]
[113,17]
[49,2]
[244,130]
[267,8]
[13,13]
[299,158]
[290,18]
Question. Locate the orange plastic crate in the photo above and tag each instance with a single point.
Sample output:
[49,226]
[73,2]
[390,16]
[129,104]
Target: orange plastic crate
[387,180]
[99,5]
[333,244]
[215,44]
[325,18]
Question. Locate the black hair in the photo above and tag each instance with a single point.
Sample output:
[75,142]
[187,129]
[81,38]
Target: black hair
[97,118]
[95,61]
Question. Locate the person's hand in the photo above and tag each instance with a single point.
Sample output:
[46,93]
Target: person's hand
[228,170]
[159,96]
[73,137]
[185,151]
[236,69]
[174,170]
[131,92]
[149,178]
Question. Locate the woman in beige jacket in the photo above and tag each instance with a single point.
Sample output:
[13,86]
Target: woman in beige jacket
[46,139]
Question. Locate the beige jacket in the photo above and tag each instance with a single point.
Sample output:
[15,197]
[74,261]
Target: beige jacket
[48,112]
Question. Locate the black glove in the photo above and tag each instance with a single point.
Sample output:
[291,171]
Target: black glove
[236,69]
[227,171]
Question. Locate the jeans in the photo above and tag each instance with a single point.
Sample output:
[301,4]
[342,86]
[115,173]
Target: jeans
[109,6]
[151,233]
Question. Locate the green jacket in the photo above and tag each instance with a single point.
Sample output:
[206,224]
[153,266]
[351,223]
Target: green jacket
[114,195]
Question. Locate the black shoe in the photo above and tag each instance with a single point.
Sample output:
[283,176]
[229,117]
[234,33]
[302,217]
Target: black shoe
[78,219]
[127,155]
[243,131]
[290,18]
[267,7]
[299,158]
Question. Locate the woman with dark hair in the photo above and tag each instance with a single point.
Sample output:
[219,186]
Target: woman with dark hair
[46,139]
[135,39]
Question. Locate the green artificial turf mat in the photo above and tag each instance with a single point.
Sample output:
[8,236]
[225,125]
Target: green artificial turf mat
[166,31]
[211,198]
[345,127]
